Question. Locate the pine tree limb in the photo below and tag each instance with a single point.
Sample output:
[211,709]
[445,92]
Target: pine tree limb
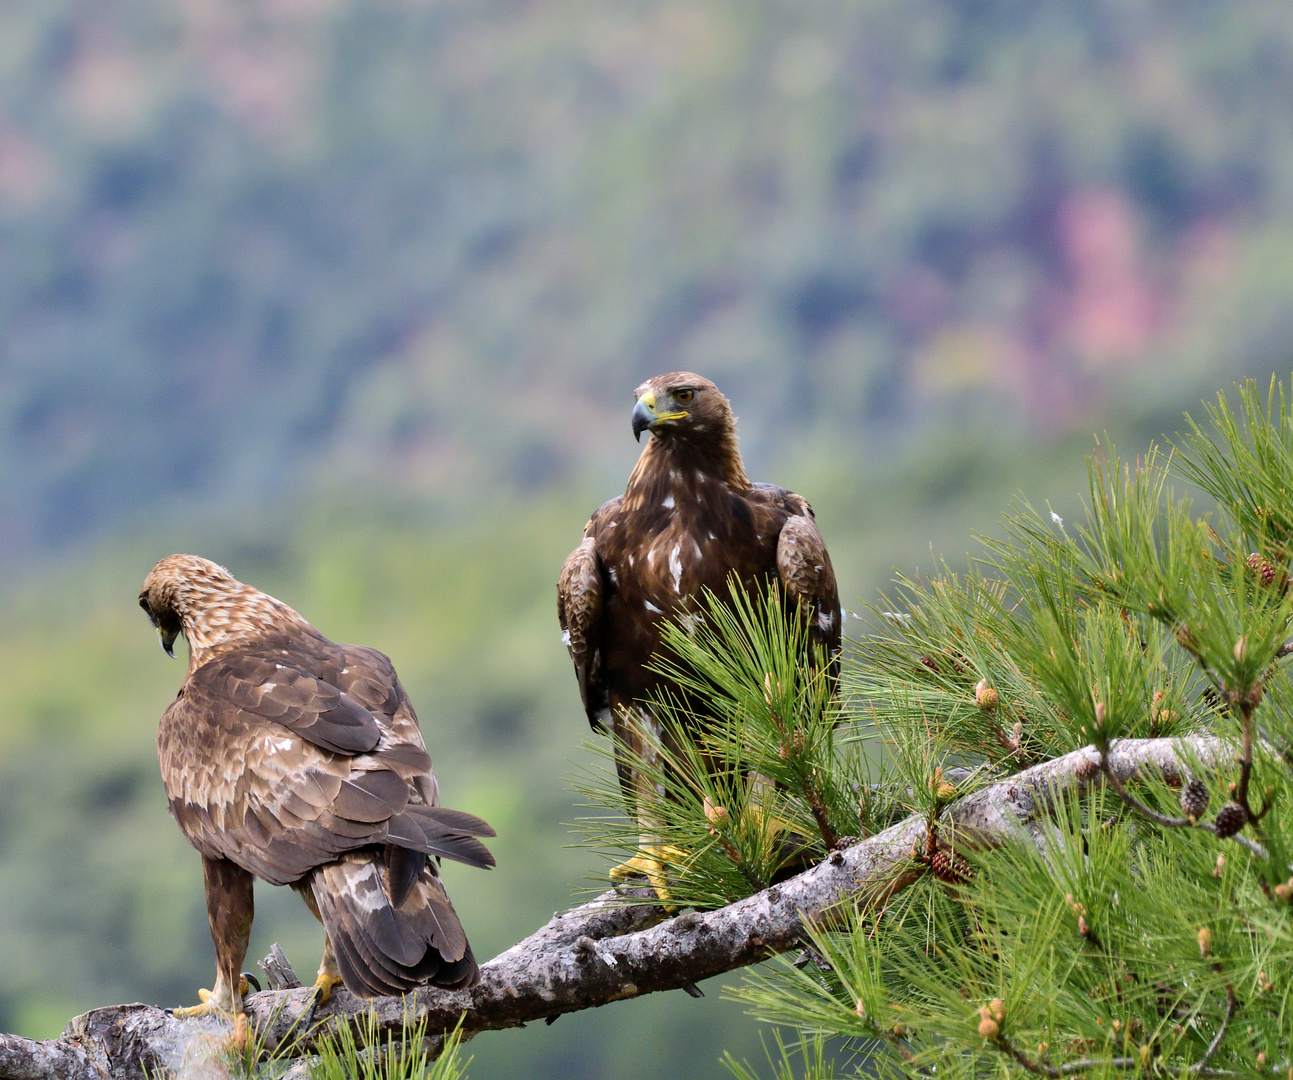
[611,948]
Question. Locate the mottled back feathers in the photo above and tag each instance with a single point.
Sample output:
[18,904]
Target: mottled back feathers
[301,761]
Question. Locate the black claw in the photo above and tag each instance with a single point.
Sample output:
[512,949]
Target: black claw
[252,980]
[694,991]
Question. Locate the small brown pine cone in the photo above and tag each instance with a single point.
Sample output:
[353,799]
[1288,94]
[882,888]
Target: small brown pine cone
[950,867]
[1194,799]
[1230,819]
[1259,566]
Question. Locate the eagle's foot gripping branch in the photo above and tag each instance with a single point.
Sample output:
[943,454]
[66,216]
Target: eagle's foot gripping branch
[323,985]
[651,862]
[218,1002]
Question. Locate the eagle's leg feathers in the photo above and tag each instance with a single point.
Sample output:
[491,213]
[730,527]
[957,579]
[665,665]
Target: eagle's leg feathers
[230,909]
[787,846]
[329,975]
[637,757]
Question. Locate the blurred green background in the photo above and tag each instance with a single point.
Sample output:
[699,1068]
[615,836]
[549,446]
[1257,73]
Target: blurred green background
[351,296]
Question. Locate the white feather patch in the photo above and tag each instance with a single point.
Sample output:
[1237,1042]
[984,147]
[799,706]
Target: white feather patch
[675,568]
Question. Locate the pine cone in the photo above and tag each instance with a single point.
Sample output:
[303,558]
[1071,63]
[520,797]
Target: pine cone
[950,867]
[1259,566]
[1230,819]
[1194,799]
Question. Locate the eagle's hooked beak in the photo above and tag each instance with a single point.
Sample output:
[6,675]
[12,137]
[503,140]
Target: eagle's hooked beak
[645,417]
[165,636]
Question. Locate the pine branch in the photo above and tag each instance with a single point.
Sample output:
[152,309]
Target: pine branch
[1069,1068]
[611,948]
[1170,822]
[1232,1003]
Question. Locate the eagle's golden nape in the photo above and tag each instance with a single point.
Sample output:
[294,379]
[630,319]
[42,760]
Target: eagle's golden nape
[293,759]
[689,521]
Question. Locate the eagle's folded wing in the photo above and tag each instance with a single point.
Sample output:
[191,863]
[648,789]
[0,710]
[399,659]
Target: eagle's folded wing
[579,608]
[253,774]
[804,569]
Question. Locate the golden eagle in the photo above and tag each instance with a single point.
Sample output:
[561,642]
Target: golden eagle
[292,759]
[690,520]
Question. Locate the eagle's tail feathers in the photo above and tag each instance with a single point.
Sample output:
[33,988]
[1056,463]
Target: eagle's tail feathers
[403,867]
[383,947]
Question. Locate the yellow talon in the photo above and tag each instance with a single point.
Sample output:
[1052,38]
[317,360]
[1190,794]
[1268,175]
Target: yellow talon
[207,1008]
[764,823]
[188,1012]
[210,1006]
[323,986]
[650,863]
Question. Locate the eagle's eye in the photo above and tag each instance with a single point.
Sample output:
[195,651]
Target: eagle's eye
[684,396]
[148,610]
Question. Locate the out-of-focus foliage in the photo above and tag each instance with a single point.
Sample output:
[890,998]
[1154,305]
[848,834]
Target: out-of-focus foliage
[245,244]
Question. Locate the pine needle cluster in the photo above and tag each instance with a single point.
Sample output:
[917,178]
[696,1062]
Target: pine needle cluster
[764,778]
[337,1051]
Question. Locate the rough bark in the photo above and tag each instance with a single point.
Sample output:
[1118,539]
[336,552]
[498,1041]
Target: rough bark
[611,948]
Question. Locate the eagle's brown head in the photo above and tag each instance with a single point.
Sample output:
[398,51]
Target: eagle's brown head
[682,406]
[692,425]
[190,595]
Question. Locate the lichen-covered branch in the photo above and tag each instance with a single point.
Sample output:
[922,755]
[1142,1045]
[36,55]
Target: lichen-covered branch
[613,948]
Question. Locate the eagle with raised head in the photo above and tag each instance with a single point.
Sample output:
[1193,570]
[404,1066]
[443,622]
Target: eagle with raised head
[690,520]
[292,759]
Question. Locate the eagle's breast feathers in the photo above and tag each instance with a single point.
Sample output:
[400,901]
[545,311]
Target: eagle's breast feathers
[689,522]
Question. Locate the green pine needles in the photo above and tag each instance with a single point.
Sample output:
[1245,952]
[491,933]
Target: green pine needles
[763,782]
[1146,929]
[338,1051]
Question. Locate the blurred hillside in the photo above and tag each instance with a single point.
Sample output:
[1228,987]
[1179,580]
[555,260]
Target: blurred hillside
[350,295]
[243,246]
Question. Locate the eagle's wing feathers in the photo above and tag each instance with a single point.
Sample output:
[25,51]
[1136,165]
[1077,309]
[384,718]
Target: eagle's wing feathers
[277,686]
[259,777]
[580,594]
[805,571]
